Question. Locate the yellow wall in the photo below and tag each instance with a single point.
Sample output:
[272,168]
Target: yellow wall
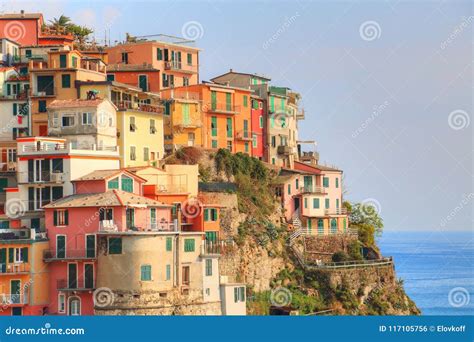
[141,138]
[180,127]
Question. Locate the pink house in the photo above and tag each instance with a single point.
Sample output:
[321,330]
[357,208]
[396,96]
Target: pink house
[258,124]
[104,200]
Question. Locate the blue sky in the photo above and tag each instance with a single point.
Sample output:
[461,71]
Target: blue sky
[377,101]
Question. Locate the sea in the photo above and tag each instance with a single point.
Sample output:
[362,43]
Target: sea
[437,268]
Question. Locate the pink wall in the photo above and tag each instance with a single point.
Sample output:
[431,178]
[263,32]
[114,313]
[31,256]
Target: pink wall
[23,31]
[86,187]
[256,113]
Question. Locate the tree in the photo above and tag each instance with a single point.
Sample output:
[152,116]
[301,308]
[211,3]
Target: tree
[366,220]
[60,24]
[63,25]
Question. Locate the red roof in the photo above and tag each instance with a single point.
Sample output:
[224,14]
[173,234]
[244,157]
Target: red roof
[75,103]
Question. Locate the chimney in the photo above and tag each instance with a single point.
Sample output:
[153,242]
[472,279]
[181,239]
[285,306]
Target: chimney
[22,12]
[231,70]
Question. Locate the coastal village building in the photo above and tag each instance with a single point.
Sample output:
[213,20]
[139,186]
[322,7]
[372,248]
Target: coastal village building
[139,121]
[177,62]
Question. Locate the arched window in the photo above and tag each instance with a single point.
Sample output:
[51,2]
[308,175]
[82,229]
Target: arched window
[74,306]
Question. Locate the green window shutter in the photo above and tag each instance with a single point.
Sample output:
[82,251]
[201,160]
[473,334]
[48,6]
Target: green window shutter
[214,126]
[9,89]
[214,143]
[206,214]
[15,108]
[60,246]
[245,101]
[11,253]
[289,189]
[229,127]
[213,100]
[62,61]
[282,105]
[145,273]
[214,214]
[159,54]
[261,121]
[186,119]
[66,81]
[24,254]
[168,272]
[309,224]
[316,203]
[326,203]
[236,294]
[113,183]
[306,203]
[190,59]
[189,245]
[42,106]
[246,145]
[208,267]
[110,77]
[55,217]
[66,217]
[326,182]
[337,203]
[337,182]
[228,102]
[169,244]
[127,184]
[272,104]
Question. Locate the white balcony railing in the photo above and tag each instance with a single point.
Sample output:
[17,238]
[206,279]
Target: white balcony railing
[336,211]
[107,226]
[9,299]
[310,189]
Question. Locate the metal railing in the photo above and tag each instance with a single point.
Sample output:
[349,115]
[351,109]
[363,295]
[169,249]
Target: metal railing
[353,263]
[13,268]
[69,254]
[66,285]
[61,147]
[312,189]
[11,298]
[107,226]
[284,149]
[335,211]
[132,105]
[41,177]
[243,135]
[223,108]
[217,247]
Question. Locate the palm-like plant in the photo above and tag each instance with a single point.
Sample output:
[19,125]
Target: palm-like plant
[60,24]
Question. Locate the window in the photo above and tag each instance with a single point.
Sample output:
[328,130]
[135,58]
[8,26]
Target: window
[273,141]
[87,118]
[133,127]
[113,183]
[315,203]
[190,59]
[246,146]
[62,61]
[66,81]
[245,101]
[115,245]
[306,203]
[146,154]
[28,53]
[273,161]
[337,203]
[110,77]
[145,273]
[239,294]
[127,184]
[326,182]
[61,303]
[326,203]
[168,272]
[229,146]
[186,275]
[124,57]
[143,82]
[208,267]
[152,126]
[272,104]
[189,245]
[169,244]
[214,143]
[213,100]
[289,189]
[254,141]
[61,218]
[261,121]
[67,121]
[133,154]
[159,54]
[337,182]
[75,307]
[297,183]
[185,81]
[167,110]
[214,126]
[228,102]
[74,62]
[42,106]
[210,214]
[60,246]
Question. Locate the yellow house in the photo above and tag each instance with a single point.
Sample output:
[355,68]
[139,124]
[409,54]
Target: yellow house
[139,121]
[182,119]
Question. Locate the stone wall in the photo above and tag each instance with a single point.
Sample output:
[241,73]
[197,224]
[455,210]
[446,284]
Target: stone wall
[323,247]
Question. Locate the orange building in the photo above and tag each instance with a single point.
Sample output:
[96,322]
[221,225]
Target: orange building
[143,76]
[177,62]
[225,115]
[23,28]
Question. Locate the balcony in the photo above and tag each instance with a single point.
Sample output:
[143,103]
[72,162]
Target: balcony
[41,177]
[8,167]
[49,92]
[13,268]
[7,234]
[107,226]
[110,226]
[284,150]
[143,107]
[300,115]
[336,211]
[65,285]
[13,299]
[243,135]
[310,189]
[47,147]
[180,66]
[218,247]
[69,254]
[223,108]
[21,96]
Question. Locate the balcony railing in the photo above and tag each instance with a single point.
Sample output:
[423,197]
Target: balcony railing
[336,211]
[107,226]
[8,167]
[13,268]
[216,247]
[157,227]
[23,95]
[48,147]
[144,107]
[41,177]
[69,254]
[66,285]
[12,299]
[17,233]
[44,92]
[243,135]
[284,149]
[224,108]
[310,189]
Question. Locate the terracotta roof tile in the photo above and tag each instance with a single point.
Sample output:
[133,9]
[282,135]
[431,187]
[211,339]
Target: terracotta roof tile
[75,103]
